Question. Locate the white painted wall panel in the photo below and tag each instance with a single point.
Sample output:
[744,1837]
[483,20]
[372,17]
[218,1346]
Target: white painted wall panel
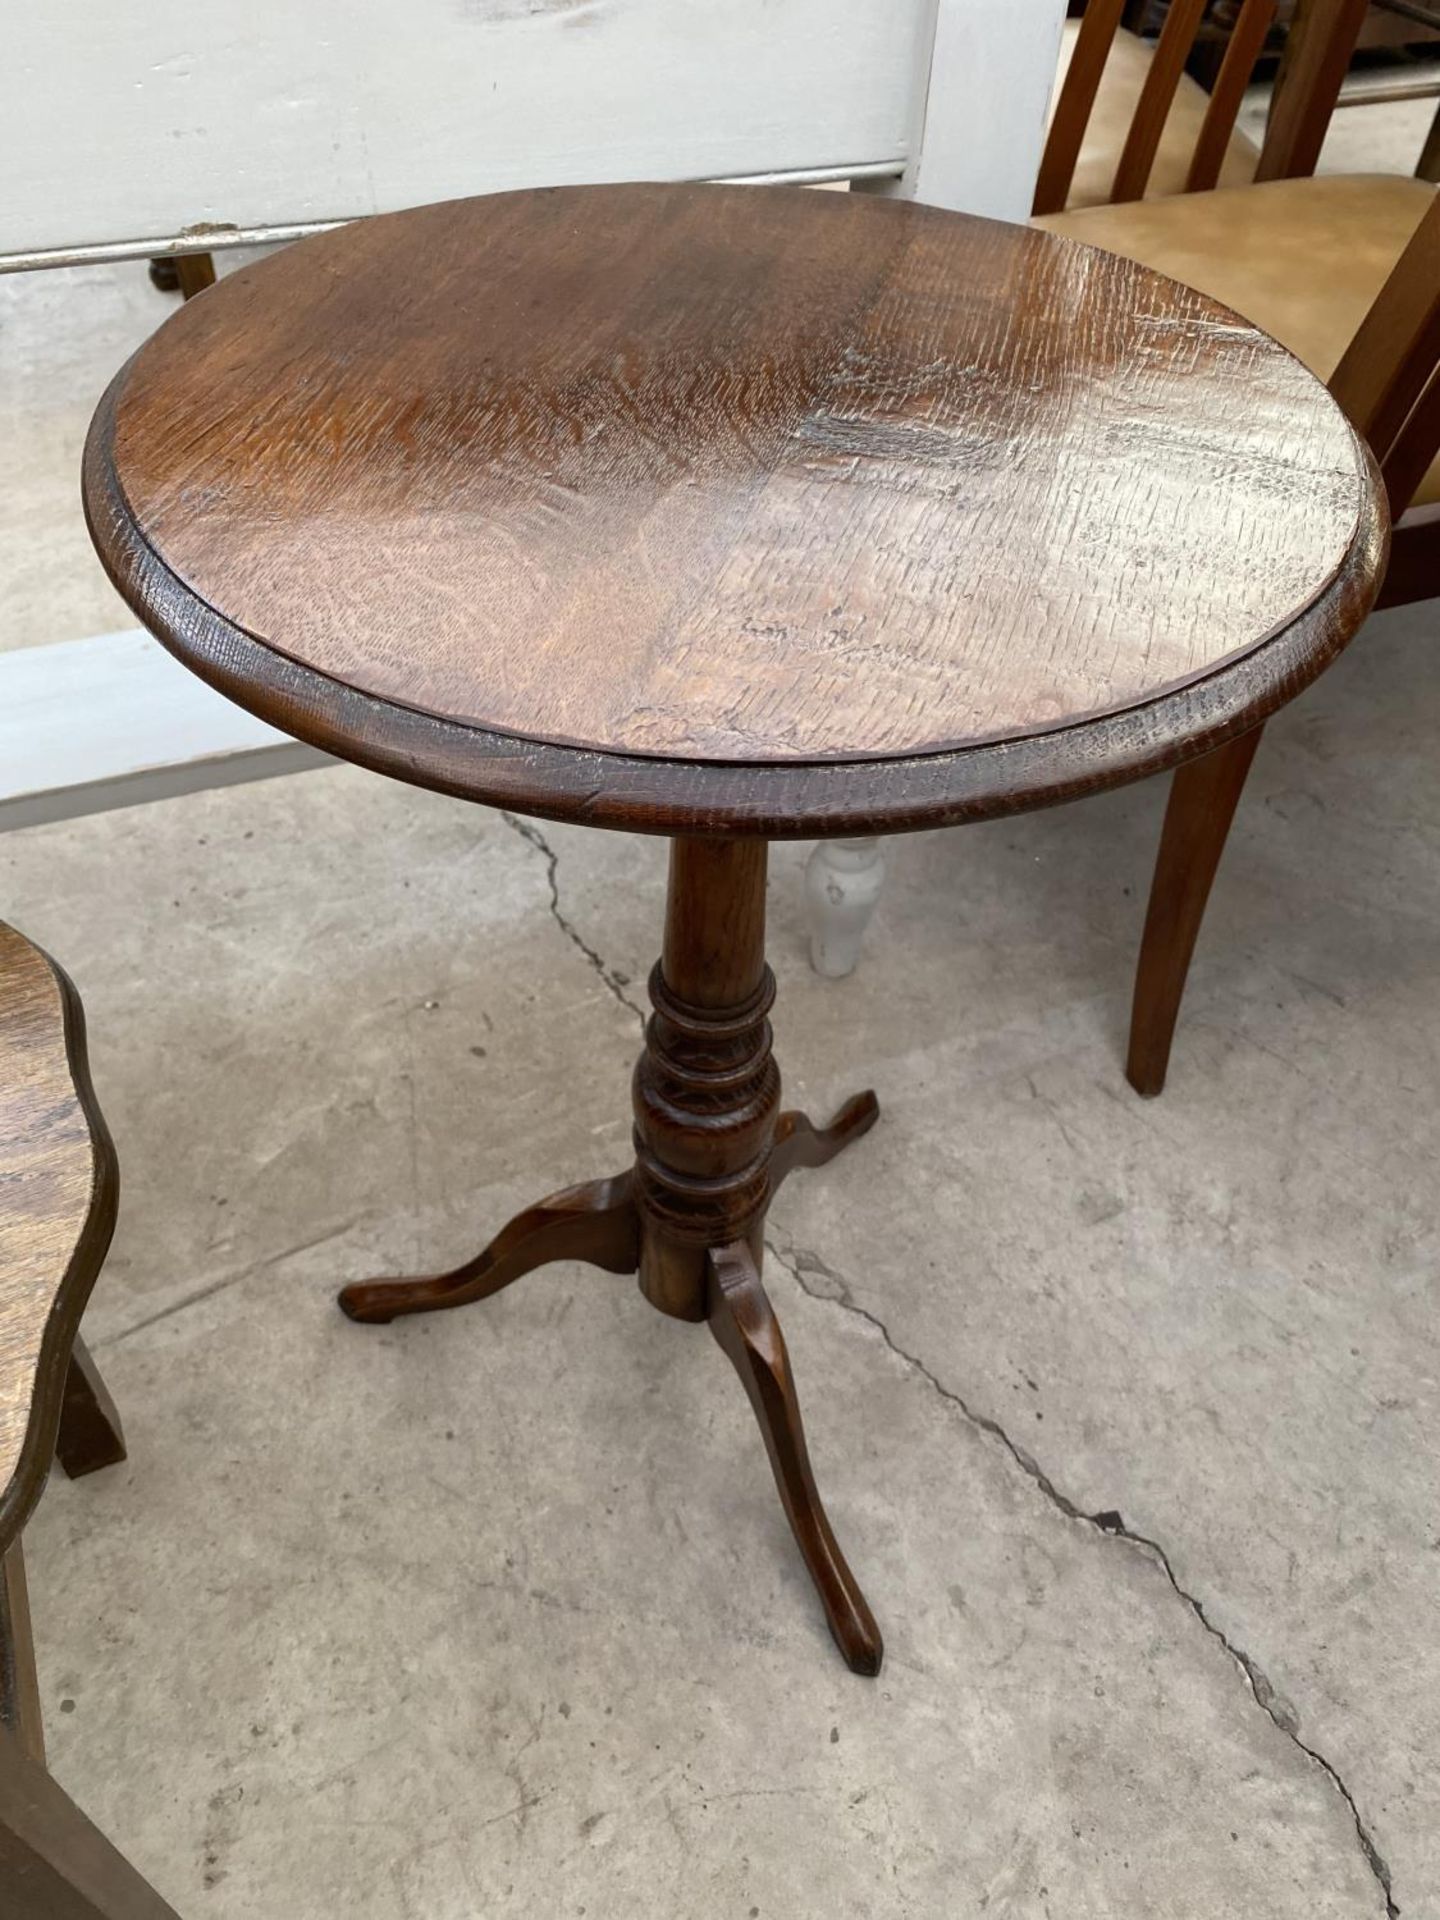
[132,119]
[983,105]
[86,725]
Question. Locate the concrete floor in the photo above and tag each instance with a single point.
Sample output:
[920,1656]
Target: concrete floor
[496,1613]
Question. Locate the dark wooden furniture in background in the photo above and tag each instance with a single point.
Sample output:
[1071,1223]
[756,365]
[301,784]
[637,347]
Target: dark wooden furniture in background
[728,514]
[58,1188]
[1398,44]
[1424,16]
[184,273]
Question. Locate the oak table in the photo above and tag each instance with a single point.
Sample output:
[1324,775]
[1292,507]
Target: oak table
[732,515]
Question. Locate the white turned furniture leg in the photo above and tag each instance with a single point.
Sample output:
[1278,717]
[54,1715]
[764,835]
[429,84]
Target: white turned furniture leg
[843,879]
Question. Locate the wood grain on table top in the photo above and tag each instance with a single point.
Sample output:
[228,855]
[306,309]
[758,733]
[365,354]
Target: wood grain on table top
[734,474]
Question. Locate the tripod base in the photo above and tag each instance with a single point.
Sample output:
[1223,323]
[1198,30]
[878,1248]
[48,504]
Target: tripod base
[688,1218]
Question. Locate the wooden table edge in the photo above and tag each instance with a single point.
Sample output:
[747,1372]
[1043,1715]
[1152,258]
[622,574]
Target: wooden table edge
[797,800]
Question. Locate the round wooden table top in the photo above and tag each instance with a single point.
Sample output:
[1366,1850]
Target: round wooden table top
[718,509]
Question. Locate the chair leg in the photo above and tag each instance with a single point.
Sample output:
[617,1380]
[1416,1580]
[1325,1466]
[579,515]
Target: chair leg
[90,1435]
[1203,796]
[194,272]
[19,1682]
[55,1864]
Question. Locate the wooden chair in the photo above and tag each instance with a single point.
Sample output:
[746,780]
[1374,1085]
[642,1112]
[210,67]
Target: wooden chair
[1303,256]
[1128,122]
[1344,270]
[58,1188]
[1388,381]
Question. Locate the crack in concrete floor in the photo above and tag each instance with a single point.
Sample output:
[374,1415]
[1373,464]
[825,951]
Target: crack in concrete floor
[616,982]
[799,1261]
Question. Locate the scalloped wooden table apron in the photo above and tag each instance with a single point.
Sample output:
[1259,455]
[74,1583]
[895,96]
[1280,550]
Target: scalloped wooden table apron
[733,515]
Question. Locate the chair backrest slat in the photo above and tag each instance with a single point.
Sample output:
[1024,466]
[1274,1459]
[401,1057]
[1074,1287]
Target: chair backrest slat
[1072,109]
[1384,373]
[1317,55]
[1247,42]
[1152,110]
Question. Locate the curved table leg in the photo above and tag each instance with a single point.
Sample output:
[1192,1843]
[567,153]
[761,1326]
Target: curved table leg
[596,1222]
[743,1322]
[800,1143]
[90,1434]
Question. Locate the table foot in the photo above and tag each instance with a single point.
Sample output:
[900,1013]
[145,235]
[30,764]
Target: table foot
[596,1222]
[800,1143]
[743,1322]
[90,1433]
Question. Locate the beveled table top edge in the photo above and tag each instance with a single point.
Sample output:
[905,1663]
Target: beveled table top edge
[775,800]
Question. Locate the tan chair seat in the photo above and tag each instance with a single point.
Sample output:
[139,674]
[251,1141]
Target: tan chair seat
[1114,109]
[1303,259]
